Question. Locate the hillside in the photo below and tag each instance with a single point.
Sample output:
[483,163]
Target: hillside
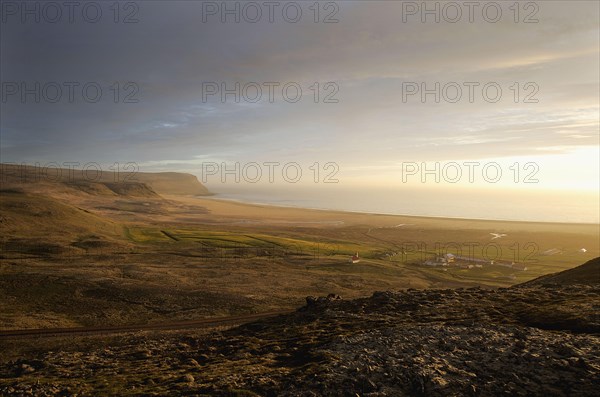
[138,184]
[415,342]
[39,225]
[588,273]
[172,183]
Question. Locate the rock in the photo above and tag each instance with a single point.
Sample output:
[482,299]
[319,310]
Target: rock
[189,378]
[202,358]
[26,369]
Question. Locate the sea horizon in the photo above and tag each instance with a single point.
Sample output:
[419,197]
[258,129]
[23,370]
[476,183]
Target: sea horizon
[481,205]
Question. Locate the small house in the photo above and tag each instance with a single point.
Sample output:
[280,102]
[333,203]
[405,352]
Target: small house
[519,266]
[449,258]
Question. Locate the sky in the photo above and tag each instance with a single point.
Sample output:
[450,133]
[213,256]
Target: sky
[369,62]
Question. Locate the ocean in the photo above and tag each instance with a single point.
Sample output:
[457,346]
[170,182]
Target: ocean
[514,205]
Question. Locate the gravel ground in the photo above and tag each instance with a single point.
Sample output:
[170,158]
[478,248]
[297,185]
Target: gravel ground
[532,340]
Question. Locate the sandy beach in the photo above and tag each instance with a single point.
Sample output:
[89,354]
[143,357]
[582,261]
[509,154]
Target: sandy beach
[224,209]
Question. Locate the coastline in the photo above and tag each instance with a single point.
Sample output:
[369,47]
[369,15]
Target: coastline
[217,197]
[240,212]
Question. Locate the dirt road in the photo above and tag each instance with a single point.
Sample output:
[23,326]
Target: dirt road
[209,322]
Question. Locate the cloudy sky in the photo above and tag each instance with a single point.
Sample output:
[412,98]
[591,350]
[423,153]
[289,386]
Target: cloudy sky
[365,65]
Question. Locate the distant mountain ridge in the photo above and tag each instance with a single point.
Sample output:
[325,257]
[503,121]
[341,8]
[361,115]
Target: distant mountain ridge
[176,183]
[139,184]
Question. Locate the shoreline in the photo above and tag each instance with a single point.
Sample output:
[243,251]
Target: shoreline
[215,197]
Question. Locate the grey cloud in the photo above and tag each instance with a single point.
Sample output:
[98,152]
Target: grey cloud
[170,53]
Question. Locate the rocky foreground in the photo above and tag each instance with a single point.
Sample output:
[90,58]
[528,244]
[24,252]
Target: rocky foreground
[530,340]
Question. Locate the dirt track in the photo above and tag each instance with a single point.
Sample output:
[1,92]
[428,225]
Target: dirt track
[212,322]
